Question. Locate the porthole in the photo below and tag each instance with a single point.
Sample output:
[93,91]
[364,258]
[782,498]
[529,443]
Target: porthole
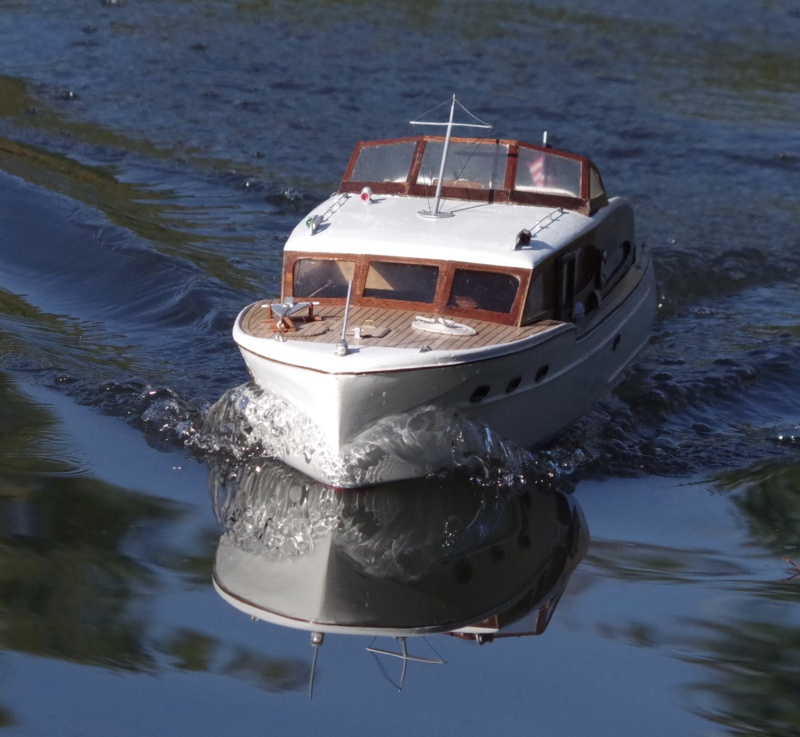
[542,372]
[463,572]
[513,384]
[479,394]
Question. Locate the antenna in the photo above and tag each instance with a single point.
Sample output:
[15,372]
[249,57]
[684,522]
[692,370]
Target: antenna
[341,346]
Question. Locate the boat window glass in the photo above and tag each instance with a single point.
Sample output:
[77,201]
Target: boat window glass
[471,165]
[321,277]
[388,162]
[401,281]
[589,263]
[541,295]
[540,171]
[483,290]
[595,184]
[615,258]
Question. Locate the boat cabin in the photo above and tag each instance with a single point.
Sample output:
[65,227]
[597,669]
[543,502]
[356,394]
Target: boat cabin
[491,171]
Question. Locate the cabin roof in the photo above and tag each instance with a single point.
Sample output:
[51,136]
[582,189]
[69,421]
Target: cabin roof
[480,233]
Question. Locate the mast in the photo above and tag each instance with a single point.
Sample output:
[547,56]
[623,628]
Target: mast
[437,200]
[435,211]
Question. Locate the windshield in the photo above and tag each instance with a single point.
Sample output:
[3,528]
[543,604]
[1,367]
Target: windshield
[475,169]
[477,164]
[388,162]
[540,171]
[322,277]
[483,290]
[401,281]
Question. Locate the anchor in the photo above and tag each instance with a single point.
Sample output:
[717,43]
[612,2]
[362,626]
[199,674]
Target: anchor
[286,309]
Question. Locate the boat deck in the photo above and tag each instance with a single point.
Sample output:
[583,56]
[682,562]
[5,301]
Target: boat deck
[382,327]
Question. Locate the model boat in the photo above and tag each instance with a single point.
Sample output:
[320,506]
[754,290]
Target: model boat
[491,278]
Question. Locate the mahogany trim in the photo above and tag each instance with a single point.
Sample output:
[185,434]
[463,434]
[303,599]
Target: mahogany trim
[439,305]
[506,193]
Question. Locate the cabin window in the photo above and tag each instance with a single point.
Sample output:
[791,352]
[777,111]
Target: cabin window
[541,295]
[388,162]
[595,184]
[475,165]
[597,194]
[320,277]
[540,171]
[616,258]
[401,281]
[588,270]
[483,290]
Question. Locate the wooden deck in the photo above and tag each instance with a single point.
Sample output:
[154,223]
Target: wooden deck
[382,327]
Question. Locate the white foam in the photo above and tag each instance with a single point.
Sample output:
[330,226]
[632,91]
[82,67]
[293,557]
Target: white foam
[249,422]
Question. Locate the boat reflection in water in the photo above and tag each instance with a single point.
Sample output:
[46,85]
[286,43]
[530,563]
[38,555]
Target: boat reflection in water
[403,559]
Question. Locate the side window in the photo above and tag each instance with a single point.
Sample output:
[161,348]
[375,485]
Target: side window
[597,193]
[595,184]
[541,300]
[483,290]
[407,282]
[616,258]
[589,265]
[320,277]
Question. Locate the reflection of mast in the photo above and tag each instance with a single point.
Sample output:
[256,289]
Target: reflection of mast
[403,654]
[434,212]
[317,638]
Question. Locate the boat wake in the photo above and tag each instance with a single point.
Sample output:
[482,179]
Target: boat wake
[248,422]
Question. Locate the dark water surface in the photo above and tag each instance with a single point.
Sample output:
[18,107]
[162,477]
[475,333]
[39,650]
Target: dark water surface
[153,158]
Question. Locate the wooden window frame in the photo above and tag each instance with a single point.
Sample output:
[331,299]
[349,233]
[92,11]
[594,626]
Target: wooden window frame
[506,193]
[444,284]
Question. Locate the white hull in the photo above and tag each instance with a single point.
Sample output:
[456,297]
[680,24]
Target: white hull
[346,397]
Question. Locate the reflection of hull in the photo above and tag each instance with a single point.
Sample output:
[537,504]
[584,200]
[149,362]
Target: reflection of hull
[405,560]
[526,390]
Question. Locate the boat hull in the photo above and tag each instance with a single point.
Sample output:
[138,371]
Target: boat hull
[525,391]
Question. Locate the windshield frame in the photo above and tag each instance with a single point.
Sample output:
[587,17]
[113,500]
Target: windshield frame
[503,186]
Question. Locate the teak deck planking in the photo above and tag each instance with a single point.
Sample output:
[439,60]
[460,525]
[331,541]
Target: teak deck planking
[327,328]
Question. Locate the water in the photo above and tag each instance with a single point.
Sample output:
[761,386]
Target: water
[153,158]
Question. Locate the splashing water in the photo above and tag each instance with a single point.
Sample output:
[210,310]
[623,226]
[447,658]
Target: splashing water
[274,511]
[248,423]
[285,523]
